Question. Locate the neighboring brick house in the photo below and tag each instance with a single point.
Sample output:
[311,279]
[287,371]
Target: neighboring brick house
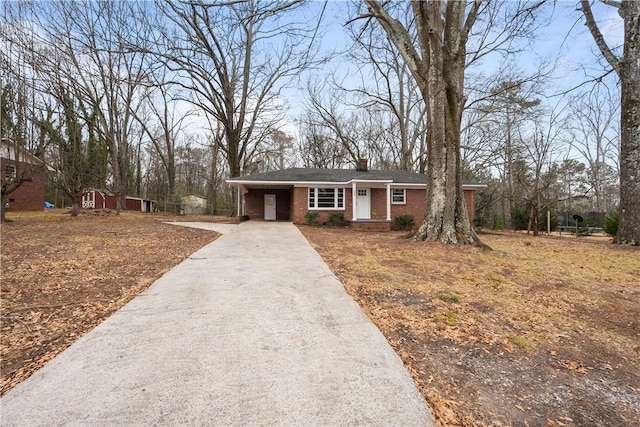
[369,199]
[19,167]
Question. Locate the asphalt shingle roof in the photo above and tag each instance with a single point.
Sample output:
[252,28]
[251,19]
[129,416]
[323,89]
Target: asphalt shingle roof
[338,175]
[334,175]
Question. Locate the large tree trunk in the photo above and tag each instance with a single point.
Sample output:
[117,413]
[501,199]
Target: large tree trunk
[629,228]
[443,46]
[628,70]
[438,68]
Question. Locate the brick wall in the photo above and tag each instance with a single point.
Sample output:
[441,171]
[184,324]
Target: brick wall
[470,200]
[30,195]
[415,205]
[299,206]
[254,204]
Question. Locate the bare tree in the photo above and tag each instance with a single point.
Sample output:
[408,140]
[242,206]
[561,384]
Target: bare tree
[234,59]
[343,126]
[437,61]
[537,158]
[595,136]
[317,146]
[63,126]
[162,121]
[22,148]
[388,92]
[509,105]
[85,45]
[627,67]
[277,152]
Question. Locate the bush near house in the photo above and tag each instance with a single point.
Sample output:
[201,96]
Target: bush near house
[336,219]
[311,217]
[405,222]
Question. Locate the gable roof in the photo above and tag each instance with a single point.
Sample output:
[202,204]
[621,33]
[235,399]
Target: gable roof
[335,176]
[11,151]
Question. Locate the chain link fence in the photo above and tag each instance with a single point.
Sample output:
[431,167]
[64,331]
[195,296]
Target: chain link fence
[204,210]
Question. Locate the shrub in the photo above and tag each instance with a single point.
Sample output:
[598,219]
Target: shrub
[336,219]
[405,221]
[311,217]
[498,222]
[519,218]
[611,221]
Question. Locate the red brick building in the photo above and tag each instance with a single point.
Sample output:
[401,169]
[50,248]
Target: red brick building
[103,199]
[21,168]
[370,199]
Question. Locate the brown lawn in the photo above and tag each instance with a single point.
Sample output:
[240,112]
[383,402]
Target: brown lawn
[539,331]
[62,276]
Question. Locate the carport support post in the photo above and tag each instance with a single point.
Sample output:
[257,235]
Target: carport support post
[354,200]
[238,200]
[389,202]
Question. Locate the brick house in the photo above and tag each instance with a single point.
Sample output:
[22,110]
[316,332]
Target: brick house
[20,167]
[369,199]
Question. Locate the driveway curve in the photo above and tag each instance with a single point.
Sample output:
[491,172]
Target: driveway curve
[253,329]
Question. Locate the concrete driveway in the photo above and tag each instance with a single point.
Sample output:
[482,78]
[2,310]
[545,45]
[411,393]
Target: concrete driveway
[253,329]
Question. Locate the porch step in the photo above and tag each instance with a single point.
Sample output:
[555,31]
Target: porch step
[371,225]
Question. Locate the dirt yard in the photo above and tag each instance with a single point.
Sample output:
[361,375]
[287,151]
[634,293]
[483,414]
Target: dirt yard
[540,331]
[62,276]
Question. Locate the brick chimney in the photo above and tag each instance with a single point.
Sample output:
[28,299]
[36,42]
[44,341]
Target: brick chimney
[362,165]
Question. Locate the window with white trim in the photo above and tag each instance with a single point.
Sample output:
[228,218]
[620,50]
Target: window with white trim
[398,196]
[9,171]
[326,198]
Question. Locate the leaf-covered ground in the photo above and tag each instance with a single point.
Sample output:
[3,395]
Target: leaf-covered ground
[539,331]
[62,276]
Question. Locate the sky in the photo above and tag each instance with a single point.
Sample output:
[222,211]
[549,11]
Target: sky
[564,42]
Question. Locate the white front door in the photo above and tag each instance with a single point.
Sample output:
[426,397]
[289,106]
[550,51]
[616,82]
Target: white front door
[270,207]
[363,203]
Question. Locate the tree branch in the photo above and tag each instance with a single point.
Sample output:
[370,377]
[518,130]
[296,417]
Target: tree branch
[598,37]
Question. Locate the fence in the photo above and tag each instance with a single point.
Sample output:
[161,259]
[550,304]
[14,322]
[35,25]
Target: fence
[204,210]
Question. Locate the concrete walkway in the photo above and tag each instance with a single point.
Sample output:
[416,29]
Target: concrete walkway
[253,329]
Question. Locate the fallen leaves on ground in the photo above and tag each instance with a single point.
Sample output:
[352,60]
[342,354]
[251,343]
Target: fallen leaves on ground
[537,331]
[62,276]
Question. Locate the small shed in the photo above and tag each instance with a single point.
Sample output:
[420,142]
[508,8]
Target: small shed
[104,199]
[193,205]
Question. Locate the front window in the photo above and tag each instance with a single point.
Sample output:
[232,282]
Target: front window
[10,171]
[326,198]
[398,196]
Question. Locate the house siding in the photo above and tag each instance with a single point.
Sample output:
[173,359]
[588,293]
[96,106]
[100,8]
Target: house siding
[254,204]
[133,204]
[30,195]
[415,205]
[108,201]
[300,200]
[470,200]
